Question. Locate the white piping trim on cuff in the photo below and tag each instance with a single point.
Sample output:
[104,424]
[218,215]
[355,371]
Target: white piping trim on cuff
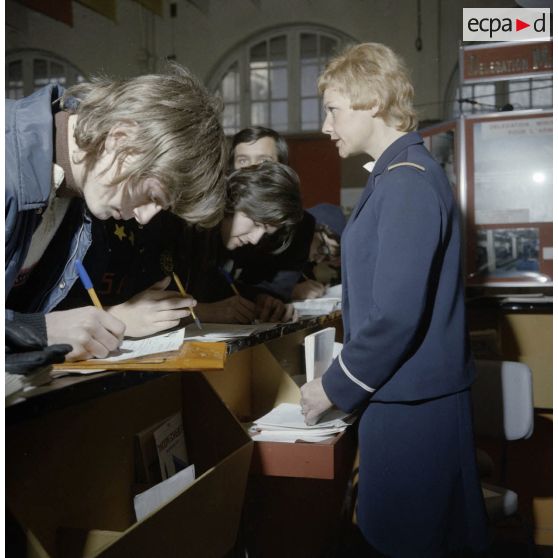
[351,377]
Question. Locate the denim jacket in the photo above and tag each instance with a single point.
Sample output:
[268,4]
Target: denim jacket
[29,170]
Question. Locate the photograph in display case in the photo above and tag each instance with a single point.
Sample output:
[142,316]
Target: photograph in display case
[509,198]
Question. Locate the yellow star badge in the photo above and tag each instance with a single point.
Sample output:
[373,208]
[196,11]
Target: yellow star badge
[119,231]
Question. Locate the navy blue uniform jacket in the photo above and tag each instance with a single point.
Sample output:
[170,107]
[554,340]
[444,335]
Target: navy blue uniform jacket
[403,307]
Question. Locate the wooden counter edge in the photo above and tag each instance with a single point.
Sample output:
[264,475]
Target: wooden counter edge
[193,355]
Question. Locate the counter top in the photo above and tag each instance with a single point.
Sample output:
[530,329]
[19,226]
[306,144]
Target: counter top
[193,357]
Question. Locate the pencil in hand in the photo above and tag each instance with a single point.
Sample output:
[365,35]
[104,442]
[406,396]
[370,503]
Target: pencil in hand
[183,293]
[86,282]
[230,281]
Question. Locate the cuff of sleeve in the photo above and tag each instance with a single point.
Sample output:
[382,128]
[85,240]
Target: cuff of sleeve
[342,390]
[36,321]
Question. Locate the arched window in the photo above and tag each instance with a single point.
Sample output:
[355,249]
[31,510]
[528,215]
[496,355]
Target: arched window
[28,70]
[270,79]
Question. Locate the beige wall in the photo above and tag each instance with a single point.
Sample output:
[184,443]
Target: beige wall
[139,40]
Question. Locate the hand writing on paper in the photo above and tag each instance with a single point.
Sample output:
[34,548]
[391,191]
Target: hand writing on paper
[308,289]
[271,309]
[314,401]
[90,331]
[232,310]
[153,310]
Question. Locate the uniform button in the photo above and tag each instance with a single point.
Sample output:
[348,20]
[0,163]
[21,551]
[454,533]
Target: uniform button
[39,211]
[62,284]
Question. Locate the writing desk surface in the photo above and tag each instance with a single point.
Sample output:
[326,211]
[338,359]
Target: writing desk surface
[192,357]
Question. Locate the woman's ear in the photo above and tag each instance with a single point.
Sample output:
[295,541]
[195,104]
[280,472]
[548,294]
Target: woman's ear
[120,131]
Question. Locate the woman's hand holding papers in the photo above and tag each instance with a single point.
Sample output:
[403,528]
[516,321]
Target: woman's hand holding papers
[153,310]
[314,401]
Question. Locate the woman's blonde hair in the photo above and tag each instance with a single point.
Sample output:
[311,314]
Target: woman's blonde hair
[177,136]
[372,75]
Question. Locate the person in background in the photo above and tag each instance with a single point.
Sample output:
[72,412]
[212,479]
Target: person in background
[262,200]
[265,270]
[405,363]
[324,250]
[125,149]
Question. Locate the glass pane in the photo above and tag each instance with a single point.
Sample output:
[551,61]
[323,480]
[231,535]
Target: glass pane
[328,47]
[230,117]
[485,94]
[513,171]
[308,79]
[310,114]
[519,95]
[40,71]
[229,86]
[258,53]
[259,114]
[279,115]
[279,83]
[308,46]
[259,84]
[278,49]
[56,71]
[13,92]
[15,71]
[542,93]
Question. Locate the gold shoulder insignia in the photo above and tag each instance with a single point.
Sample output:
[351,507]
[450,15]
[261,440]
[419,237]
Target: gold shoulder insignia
[407,164]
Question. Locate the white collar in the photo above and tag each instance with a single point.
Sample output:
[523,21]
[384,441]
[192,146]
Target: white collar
[369,166]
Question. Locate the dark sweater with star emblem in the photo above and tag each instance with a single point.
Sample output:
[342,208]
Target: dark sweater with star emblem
[126,258]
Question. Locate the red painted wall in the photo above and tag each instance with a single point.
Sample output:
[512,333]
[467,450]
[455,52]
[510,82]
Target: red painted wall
[318,165]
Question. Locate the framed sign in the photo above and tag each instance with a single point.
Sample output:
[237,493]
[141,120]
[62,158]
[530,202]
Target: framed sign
[504,61]
[508,205]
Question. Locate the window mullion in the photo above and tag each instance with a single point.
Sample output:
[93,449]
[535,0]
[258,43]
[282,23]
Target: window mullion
[245,100]
[293,77]
[27,74]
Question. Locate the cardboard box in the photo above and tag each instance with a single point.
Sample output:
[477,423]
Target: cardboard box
[258,379]
[70,475]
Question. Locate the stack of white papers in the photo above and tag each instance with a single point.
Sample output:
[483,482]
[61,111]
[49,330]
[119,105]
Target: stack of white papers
[285,423]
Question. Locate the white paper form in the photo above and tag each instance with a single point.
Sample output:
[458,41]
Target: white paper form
[317,306]
[133,348]
[148,501]
[222,332]
[289,415]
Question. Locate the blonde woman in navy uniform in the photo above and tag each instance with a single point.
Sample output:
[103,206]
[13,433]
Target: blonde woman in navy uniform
[406,362]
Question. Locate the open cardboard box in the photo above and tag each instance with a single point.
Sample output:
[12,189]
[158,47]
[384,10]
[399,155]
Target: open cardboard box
[258,379]
[70,475]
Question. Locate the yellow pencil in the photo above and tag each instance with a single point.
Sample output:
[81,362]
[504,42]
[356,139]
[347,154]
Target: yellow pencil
[184,294]
[86,281]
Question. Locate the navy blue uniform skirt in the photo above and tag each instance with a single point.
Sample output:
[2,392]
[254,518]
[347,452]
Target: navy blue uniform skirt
[419,493]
